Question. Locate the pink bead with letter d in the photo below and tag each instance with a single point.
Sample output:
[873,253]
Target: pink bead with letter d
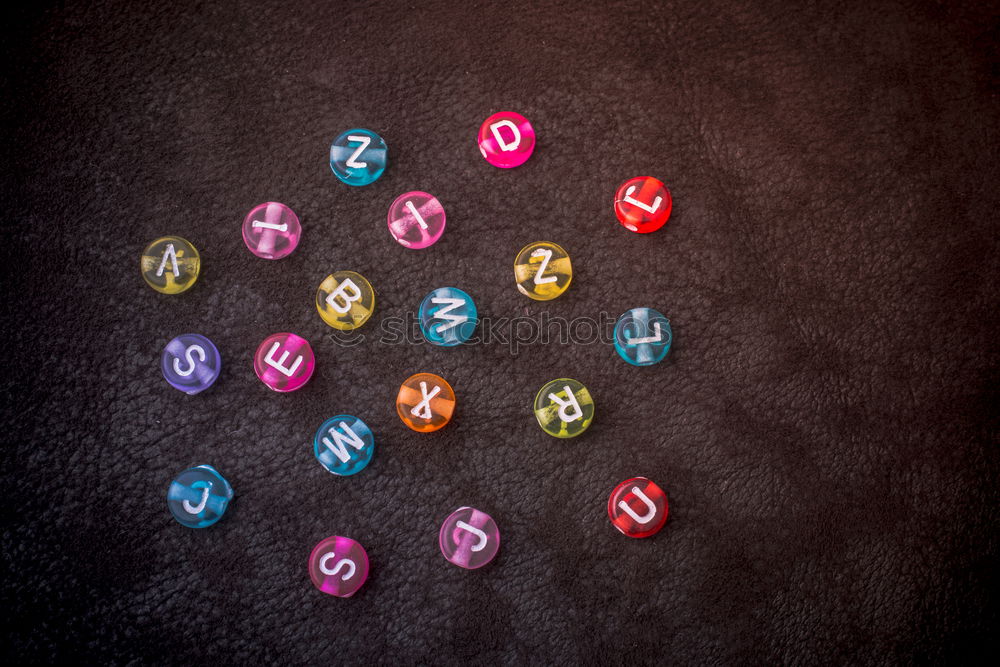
[506,139]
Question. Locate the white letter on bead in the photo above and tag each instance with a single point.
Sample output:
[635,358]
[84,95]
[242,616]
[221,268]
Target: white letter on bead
[341,291]
[650,507]
[279,364]
[563,404]
[343,562]
[283,227]
[198,350]
[546,255]
[648,339]
[413,211]
[479,546]
[445,313]
[504,146]
[636,202]
[194,509]
[352,161]
[339,439]
[423,408]
[172,254]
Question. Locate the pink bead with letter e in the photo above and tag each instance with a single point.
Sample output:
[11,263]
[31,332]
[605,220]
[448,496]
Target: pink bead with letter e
[506,139]
[284,362]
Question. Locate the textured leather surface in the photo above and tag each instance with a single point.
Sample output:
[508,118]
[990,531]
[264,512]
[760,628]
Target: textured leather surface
[822,426]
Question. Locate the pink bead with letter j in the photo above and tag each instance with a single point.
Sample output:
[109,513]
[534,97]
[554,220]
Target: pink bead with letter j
[469,538]
[506,139]
[284,362]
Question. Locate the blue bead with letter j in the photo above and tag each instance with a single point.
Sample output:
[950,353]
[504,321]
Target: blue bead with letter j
[643,336]
[199,496]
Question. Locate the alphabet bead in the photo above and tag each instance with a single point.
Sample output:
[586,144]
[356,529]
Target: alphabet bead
[447,317]
[643,204]
[416,220]
[506,139]
[191,363]
[638,507]
[542,271]
[284,362]
[469,538]
[338,566]
[271,230]
[643,336]
[199,496]
[358,156]
[425,402]
[345,300]
[564,408]
[344,445]
[170,265]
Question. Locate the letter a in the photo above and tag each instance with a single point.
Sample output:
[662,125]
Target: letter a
[172,254]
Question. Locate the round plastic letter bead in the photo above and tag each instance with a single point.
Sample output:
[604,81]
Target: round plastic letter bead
[191,363]
[344,445]
[469,538]
[447,317]
[345,300]
[564,408]
[170,265]
[425,402]
[199,496]
[542,271]
[638,507]
[643,204]
[506,139]
[338,566]
[284,362]
[643,336]
[358,156]
[416,220]
[271,230]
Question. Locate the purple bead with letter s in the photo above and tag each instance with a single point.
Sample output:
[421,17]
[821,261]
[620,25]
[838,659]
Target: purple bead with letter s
[191,363]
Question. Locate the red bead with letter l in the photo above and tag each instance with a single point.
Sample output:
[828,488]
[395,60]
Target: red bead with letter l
[643,204]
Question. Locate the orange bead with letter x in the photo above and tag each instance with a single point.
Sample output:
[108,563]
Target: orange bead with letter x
[425,402]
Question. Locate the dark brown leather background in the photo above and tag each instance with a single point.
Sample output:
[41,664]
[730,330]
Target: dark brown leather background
[822,425]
